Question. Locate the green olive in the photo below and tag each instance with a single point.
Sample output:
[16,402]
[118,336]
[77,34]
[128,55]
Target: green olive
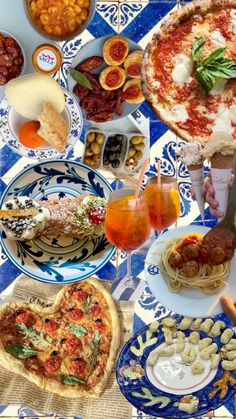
[100,138]
[96,148]
[139,146]
[90,137]
[88,152]
[131,152]
[136,139]
[89,161]
[138,155]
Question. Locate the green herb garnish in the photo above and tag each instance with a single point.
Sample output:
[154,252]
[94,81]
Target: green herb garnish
[21,351]
[94,345]
[71,379]
[35,338]
[78,330]
[81,79]
[86,304]
[213,67]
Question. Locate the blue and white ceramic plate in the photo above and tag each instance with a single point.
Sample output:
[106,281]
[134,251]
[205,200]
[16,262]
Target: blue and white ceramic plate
[188,302]
[158,389]
[95,47]
[60,260]
[11,120]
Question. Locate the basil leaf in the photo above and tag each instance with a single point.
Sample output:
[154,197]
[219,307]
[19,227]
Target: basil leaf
[78,330]
[215,55]
[86,304]
[71,379]
[206,79]
[197,49]
[81,79]
[21,351]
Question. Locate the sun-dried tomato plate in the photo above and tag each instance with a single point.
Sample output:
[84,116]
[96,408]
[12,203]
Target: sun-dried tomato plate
[94,48]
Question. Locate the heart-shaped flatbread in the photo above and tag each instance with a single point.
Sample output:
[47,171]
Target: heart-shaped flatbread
[69,348]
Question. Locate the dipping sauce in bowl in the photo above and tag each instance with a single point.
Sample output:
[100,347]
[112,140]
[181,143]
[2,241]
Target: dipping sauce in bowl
[11,58]
[60,19]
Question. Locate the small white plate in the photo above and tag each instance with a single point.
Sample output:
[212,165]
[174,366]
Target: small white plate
[11,121]
[188,302]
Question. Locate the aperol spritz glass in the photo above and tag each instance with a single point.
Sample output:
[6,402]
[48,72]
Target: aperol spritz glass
[127,226]
[163,202]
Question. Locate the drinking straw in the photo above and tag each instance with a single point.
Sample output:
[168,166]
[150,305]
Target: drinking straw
[140,179]
[159,173]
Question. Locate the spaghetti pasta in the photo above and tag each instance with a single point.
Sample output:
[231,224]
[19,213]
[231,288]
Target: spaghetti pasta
[209,279]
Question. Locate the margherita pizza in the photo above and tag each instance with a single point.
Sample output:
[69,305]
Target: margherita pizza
[189,70]
[68,349]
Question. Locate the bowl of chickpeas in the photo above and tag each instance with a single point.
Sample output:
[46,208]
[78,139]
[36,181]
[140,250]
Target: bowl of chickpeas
[60,19]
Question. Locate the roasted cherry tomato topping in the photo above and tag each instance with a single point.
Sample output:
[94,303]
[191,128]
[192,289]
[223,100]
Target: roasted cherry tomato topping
[95,310]
[71,345]
[51,326]
[25,318]
[78,366]
[117,50]
[75,314]
[188,240]
[134,69]
[100,326]
[80,295]
[112,78]
[52,363]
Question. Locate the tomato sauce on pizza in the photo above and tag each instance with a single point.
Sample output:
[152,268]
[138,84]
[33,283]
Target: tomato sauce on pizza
[189,70]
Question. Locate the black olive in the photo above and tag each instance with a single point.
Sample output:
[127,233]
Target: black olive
[46,320]
[115,163]
[69,308]
[119,137]
[77,289]
[18,312]
[78,359]
[95,302]
[63,340]
[98,321]
[54,353]
[105,161]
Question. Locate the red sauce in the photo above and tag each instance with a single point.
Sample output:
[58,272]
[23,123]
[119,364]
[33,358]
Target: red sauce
[113,78]
[196,123]
[132,92]
[223,22]
[185,91]
[117,50]
[212,102]
[134,69]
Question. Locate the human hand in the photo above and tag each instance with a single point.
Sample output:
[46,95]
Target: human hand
[228,308]
[209,195]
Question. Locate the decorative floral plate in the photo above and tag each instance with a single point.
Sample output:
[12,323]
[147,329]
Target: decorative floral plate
[169,388]
[94,47]
[63,259]
[11,120]
[188,302]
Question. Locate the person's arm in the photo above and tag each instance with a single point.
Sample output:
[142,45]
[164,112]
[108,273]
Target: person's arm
[228,308]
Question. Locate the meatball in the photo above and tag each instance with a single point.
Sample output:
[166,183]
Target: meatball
[191,268]
[175,260]
[217,255]
[190,252]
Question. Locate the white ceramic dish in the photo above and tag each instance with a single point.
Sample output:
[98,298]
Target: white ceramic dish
[11,120]
[188,302]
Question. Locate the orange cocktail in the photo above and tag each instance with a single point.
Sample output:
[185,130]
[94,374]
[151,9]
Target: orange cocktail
[163,202]
[127,223]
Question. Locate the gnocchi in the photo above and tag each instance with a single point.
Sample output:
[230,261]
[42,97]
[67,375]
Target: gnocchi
[231,345]
[168,322]
[180,345]
[216,328]
[231,355]
[197,324]
[185,323]
[189,404]
[59,18]
[207,325]
[194,337]
[189,355]
[215,360]
[168,336]
[153,356]
[204,343]
[211,349]
[166,351]
[226,336]
[197,368]
[229,365]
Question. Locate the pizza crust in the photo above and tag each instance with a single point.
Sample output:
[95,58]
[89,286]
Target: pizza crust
[147,74]
[15,365]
